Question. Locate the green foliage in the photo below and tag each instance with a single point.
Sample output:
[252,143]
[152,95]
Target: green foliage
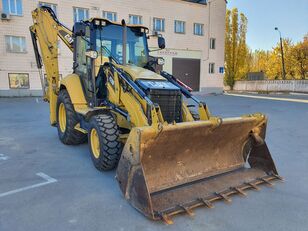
[296,60]
[236,50]
[240,60]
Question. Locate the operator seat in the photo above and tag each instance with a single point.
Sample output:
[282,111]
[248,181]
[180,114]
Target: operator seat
[101,78]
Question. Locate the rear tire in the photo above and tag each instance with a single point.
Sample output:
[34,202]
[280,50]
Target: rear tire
[104,142]
[66,121]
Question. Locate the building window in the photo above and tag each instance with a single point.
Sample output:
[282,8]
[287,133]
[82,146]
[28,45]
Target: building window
[179,27]
[135,19]
[221,70]
[212,68]
[80,14]
[12,7]
[111,16]
[198,29]
[212,43]
[15,44]
[19,81]
[50,5]
[159,24]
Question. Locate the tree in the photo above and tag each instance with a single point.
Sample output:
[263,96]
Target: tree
[274,66]
[228,74]
[260,61]
[296,58]
[236,50]
[242,57]
[240,60]
[300,54]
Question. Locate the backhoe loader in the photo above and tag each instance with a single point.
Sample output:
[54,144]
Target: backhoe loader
[169,158]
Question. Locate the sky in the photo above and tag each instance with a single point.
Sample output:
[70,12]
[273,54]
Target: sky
[291,17]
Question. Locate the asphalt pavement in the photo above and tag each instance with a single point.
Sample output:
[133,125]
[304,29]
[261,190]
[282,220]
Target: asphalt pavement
[45,185]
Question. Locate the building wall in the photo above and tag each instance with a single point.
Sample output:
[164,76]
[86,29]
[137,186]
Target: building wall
[185,45]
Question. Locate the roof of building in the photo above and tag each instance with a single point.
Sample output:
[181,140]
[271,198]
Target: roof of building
[204,2]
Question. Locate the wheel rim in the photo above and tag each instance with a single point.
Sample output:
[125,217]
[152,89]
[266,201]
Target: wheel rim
[95,146]
[62,117]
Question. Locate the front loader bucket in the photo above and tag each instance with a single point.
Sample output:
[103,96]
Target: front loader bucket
[163,172]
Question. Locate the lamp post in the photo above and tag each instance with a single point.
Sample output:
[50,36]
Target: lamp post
[282,55]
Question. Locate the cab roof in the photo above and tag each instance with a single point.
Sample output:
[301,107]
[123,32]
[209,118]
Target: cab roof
[108,22]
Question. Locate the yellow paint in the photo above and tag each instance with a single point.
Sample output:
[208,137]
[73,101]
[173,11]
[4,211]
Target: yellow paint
[122,121]
[78,128]
[128,100]
[187,117]
[137,115]
[46,31]
[95,145]
[141,73]
[62,117]
[204,113]
[73,86]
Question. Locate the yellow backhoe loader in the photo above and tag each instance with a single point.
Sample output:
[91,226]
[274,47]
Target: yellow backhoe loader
[169,158]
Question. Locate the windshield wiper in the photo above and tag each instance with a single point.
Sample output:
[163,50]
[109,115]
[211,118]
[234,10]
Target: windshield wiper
[110,55]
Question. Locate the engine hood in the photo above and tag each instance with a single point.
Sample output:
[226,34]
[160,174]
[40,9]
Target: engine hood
[141,73]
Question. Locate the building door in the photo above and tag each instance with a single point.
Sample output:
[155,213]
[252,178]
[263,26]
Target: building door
[188,71]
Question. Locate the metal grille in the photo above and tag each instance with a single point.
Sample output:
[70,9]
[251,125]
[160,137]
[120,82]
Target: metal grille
[170,103]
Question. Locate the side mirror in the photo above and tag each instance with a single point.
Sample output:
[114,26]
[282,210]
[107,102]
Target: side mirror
[161,42]
[80,33]
[91,54]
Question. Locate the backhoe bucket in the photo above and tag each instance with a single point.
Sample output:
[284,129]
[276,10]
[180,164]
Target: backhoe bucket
[171,170]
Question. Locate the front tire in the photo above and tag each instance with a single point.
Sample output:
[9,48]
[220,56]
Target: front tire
[195,115]
[194,112]
[104,142]
[66,121]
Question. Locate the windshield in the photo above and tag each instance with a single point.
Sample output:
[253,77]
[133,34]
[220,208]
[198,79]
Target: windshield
[109,43]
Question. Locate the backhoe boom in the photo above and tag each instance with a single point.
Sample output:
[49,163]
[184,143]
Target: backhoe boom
[47,30]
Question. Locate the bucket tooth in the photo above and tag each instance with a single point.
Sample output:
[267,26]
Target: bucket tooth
[252,185]
[224,197]
[278,177]
[187,210]
[166,219]
[207,203]
[240,191]
[266,182]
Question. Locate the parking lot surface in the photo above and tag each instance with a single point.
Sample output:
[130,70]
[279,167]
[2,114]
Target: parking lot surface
[45,185]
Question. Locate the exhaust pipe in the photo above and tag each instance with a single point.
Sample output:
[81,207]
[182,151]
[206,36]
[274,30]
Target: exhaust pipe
[124,42]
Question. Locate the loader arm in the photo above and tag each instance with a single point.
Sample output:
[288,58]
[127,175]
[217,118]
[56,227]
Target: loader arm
[47,30]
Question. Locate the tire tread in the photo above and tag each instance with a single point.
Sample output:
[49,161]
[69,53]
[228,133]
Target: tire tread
[109,136]
[71,135]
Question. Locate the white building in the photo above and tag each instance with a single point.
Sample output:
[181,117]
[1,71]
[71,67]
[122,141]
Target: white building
[193,29]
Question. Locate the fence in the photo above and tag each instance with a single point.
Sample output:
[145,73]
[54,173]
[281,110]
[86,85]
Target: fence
[272,85]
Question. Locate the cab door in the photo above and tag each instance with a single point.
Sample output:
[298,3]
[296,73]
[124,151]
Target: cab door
[82,63]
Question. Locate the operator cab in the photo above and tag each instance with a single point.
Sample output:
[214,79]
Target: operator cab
[100,41]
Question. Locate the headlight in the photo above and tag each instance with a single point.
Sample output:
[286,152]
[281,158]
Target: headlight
[160,61]
[91,54]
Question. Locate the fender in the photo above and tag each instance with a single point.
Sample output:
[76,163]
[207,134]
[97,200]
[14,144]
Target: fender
[73,85]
